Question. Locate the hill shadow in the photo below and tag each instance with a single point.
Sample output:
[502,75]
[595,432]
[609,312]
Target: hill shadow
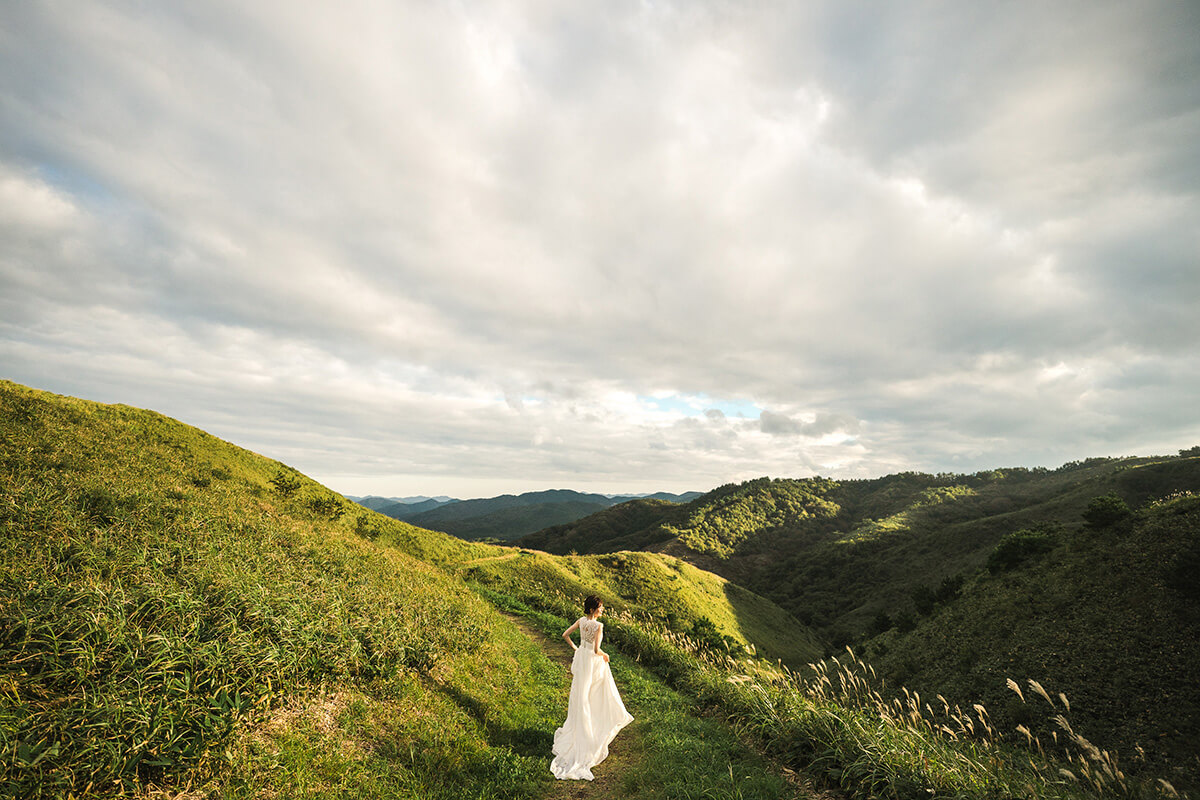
[768,631]
[530,742]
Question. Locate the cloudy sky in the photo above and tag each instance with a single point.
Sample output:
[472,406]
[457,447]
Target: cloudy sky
[469,248]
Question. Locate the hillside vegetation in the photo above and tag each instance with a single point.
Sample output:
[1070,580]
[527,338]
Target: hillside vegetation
[181,617]
[953,584]
[171,605]
[177,613]
[654,587]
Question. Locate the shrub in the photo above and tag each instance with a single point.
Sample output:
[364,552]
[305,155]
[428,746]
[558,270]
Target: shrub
[705,632]
[1106,510]
[925,599]
[1017,547]
[950,588]
[285,484]
[364,528]
[326,506]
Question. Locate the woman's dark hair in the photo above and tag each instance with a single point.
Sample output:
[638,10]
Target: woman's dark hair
[591,604]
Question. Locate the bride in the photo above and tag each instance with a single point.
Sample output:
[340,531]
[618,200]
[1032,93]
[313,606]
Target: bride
[595,712]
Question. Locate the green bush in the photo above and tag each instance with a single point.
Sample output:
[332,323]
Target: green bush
[950,588]
[326,505]
[285,484]
[1105,510]
[1017,547]
[924,599]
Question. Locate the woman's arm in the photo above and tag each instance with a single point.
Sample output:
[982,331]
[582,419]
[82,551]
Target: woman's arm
[567,634]
[599,636]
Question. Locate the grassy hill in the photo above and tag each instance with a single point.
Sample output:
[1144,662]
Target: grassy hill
[176,610]
[179,614]
[401,510]
[654,587]
[899,567]
[1108,615]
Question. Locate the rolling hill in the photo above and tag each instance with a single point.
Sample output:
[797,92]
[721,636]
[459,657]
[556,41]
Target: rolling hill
[181,616]
[913,570]
[178,614]
[405,510]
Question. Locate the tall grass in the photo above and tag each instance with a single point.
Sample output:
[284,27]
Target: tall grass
[166,599]
[836,721]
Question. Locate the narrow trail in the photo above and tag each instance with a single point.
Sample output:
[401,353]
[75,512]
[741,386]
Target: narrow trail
[625,751]
[501,557]
[622,753]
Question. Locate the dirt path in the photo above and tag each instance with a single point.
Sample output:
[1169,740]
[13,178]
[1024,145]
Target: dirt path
[501,557]
[622,754]
[627,747]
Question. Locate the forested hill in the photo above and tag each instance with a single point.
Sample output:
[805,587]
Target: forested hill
[838,552]
[1086,577]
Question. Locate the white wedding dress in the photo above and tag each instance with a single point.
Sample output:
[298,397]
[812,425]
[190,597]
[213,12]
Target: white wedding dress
[595,713]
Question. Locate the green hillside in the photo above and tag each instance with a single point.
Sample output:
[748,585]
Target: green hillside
[654,587]
[899,566]
[1110,616]
[181,615]
[176,610]
[836,553]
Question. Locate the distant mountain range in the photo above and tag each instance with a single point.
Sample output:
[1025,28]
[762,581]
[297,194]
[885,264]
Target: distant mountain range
[375,503]
[507,516]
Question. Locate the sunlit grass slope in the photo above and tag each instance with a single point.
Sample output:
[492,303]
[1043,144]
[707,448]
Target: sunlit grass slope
[651,586]
[177,611]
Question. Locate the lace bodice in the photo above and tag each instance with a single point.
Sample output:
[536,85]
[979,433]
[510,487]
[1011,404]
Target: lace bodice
[589,629]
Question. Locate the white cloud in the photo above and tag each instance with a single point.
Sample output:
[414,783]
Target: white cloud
[656,246]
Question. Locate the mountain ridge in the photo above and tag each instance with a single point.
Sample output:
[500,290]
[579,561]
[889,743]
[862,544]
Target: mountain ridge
[508,516]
